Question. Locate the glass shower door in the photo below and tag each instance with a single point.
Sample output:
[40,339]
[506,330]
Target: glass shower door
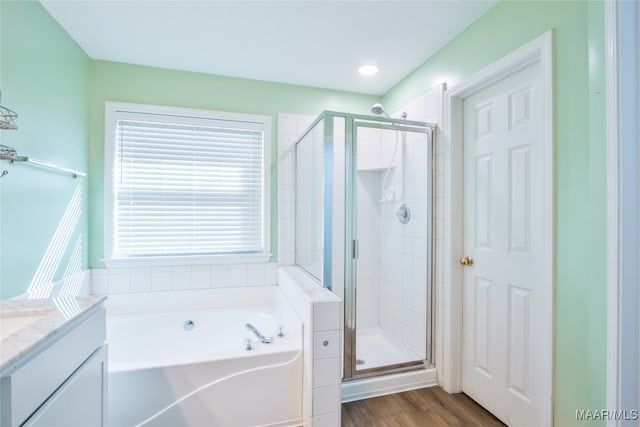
[391,269]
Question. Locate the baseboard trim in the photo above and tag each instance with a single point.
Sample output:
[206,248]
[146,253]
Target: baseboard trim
[388,384]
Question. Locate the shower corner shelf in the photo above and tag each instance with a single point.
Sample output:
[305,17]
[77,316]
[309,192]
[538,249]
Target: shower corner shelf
[374,168]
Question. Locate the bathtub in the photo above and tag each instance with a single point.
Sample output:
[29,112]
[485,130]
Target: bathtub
[180,359]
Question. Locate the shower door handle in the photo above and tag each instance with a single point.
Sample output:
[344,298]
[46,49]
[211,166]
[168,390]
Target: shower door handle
[466,261]
[355,249]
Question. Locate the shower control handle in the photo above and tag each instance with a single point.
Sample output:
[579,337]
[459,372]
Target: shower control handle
[467,261]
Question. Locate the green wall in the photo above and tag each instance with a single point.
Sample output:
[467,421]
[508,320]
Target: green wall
[138,84]
[580,293]
[44,77]
[52,84]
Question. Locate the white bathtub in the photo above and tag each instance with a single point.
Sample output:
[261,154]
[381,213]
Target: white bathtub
[161,374]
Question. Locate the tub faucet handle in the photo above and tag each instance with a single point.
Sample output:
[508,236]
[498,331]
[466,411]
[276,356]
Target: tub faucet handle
[258,334]
[248,344]
[280,331]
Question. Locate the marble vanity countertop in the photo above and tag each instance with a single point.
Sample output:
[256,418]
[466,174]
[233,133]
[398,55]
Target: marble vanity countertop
[29,325]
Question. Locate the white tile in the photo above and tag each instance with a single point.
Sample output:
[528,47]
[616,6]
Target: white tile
[326,344]
[287,258]
[238,275]
[119,281]
[161,278]
[304,121]
[287,177]
[219,276]
[439,228]
[286,141]
[287,123]
[439,208]
[141,280]
[286,159]
[327,420]
[287,210]
[368,318]
[286,193]
[255,274]
[439,268]
[99,282]
[181,277]
[326,372]
[271,273]
[200,276]
[326,400]
[326,316]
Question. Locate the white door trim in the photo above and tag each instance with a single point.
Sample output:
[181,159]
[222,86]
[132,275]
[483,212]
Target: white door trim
[622,22]
[538,50]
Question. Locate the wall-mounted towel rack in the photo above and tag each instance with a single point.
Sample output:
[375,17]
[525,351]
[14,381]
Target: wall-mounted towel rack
[10,154]
[7,118]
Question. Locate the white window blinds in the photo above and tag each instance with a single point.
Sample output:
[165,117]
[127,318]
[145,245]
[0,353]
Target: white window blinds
[187,186]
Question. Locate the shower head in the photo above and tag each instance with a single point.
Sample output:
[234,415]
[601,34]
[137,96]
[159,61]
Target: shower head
[377,108]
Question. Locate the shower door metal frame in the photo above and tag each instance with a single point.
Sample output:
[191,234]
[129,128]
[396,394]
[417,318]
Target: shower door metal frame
[352,123]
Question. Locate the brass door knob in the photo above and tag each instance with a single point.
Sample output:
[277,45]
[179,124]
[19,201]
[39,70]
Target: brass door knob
[466,260]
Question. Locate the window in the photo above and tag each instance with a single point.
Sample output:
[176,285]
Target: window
[185,185]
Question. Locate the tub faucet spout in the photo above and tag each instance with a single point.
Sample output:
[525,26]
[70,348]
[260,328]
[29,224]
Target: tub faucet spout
[262,338]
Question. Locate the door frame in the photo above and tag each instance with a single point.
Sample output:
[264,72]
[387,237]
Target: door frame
[622,22]
[538,50]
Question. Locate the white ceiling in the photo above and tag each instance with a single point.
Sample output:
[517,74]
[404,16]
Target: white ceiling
[312,43]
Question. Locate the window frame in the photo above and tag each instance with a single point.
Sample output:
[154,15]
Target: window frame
[112,111]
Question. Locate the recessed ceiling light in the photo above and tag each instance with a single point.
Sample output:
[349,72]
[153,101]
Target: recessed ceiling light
[368,70]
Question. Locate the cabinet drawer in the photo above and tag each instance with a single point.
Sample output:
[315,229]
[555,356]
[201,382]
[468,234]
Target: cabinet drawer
[31,384]
[80,400]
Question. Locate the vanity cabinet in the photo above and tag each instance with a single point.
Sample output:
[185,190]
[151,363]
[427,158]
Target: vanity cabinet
[80,400]
[63,382]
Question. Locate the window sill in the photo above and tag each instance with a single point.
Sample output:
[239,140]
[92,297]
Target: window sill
[169,261]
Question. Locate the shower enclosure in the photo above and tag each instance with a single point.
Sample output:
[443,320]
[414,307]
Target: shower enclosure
[364,229]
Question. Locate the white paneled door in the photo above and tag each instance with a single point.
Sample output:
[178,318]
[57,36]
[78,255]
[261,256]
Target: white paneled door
[503,291]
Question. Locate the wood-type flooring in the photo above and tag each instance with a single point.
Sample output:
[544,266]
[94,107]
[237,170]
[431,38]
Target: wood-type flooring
[427,407]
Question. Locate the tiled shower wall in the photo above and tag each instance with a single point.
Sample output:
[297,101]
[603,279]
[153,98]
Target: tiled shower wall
[309,212]
[404,257]
[393,259]
[290,126]
[402,303]
[369,237]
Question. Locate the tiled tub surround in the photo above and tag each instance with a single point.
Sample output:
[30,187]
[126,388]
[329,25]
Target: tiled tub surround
[320,311]
[183,277]
[165,379]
